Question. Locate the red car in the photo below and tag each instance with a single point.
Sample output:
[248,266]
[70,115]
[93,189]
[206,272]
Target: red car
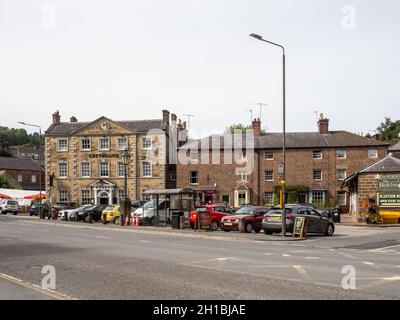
[217,213]
[250,216]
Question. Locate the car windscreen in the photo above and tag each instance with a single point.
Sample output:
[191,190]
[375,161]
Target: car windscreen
[202,209]
[109,208]
[149,205]
[246,210]
[279,211]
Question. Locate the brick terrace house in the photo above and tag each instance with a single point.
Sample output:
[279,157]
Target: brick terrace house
[83,159]
[319,161]
[22,173]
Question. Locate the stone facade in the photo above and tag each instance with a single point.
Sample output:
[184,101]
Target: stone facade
[86,165]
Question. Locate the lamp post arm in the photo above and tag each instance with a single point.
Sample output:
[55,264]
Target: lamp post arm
[275,44]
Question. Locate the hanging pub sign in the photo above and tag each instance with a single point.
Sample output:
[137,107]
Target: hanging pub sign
[389,191]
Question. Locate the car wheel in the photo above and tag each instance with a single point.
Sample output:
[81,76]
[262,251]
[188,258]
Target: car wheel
[248,228]
[15,213]
[227,230]
[214,225]
[116,220]
[257,230]
[268,232]
[329,230]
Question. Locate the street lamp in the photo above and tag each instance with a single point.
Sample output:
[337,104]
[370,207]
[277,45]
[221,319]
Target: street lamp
[283,182]
[126,159]
[40,165]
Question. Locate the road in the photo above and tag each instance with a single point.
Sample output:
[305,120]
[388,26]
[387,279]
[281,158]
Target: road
[93,263]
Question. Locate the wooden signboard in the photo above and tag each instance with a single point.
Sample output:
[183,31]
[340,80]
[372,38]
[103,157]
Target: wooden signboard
[298,229]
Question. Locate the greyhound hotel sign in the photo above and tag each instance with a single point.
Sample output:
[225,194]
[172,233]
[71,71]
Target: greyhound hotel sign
[389,191]
[104,156]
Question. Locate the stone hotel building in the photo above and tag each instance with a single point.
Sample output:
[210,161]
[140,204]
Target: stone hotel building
[83,161]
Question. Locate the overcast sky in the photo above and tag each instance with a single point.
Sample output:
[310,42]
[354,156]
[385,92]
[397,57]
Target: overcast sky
[128,59]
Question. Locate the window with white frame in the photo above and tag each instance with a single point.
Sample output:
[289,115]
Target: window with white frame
[269,155]
[62,195]
[242,198]
[242,175]
[318,197]
[85,144]
[146,142]
[62,169]
[33,178]
[121,169]
[269,176]
[147,169]
[85,196]
[194,155]
[121,194]
[85,169]
[122,143]
[269,198]
[317,154]
[317,175]
[341,154]
[104,144]
[193,177]
[341,174]
[341,198]
[373,153]
[19,177]
[104,169]
[62,145]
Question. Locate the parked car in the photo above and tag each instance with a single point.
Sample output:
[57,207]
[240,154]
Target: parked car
[95,210]
[11,206]
[147,212]
[136,204]
[250,216]
[74,214]
[315,222]
[35,209]
[111,214]
[70,214]
[59,206]
[217,213]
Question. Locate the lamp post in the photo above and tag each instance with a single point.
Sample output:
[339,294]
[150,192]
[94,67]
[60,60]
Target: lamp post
[283,182]
[40,165]
[126,159]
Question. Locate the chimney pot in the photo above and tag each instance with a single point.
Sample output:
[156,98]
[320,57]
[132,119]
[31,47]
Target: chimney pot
[323,124]
[256,127]
[56,117]
[73,119]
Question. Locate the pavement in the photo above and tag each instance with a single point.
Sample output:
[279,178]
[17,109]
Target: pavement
[112,262]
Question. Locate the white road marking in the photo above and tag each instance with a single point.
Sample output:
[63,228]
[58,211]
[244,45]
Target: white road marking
[368,263]
[146,241]
[394,278]
[225,259]
[268,253]
[384,248]
[312,258]
[300,269]
[286,255]
[298,251]
[103,237]
[35,287]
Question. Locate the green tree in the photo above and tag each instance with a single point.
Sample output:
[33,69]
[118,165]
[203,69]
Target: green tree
[388,129]
[4,184]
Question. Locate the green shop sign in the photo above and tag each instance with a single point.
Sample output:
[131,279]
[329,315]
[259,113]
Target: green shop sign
[389,191]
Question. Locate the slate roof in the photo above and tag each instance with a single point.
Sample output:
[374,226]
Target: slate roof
[387,164]
[293,140]
[8,163]
[136,126]
[395,147]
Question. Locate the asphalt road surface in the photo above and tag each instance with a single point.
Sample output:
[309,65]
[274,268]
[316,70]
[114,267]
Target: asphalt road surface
[93,263]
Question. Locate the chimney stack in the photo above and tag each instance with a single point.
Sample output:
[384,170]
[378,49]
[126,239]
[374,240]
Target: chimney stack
[73,119]
[257,127]
[323,124]
[56,117]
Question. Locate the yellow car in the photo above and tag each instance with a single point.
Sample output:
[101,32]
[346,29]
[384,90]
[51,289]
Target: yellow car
[111,214]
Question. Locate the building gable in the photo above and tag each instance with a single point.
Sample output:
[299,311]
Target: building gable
[104,126]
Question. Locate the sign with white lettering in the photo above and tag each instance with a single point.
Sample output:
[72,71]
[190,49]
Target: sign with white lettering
[389,191]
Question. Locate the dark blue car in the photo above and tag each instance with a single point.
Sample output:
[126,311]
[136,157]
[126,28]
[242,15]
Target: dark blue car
[34,210]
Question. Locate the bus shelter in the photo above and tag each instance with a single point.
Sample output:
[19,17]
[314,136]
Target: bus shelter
[169,202]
